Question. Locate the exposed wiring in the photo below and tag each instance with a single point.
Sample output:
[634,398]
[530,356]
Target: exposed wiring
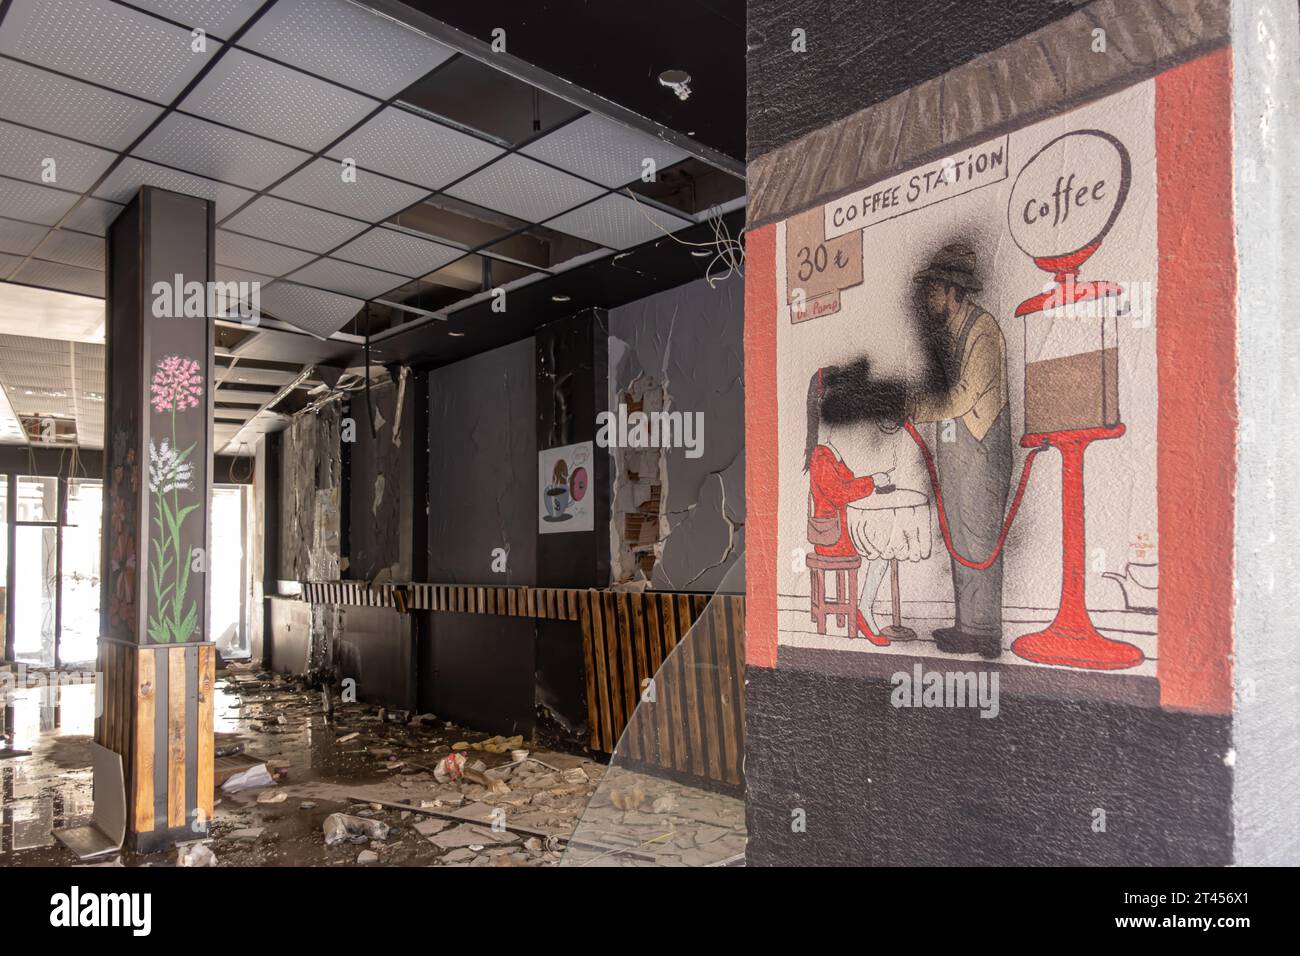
[727,249]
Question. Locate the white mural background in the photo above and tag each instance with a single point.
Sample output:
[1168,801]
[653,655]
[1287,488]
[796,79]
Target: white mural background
[874,320]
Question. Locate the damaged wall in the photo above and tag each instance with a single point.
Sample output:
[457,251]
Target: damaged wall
[685,345]
[381,502]
[311,481]
[478,669]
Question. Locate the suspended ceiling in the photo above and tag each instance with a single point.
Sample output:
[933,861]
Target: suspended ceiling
[358,166]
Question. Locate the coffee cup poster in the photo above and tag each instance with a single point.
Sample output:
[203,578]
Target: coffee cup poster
[967,404]
[563,479]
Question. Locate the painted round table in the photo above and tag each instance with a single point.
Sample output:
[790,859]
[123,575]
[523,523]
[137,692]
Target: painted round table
[894,526]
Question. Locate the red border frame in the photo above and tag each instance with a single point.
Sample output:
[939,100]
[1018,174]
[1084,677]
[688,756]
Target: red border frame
[1196,336]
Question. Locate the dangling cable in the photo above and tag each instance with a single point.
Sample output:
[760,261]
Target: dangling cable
[943,517]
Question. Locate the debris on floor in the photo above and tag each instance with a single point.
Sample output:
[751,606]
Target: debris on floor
[411,789]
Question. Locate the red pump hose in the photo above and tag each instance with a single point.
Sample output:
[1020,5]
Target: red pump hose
[943,517]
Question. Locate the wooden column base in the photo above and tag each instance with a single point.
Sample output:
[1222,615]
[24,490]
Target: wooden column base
[157,714]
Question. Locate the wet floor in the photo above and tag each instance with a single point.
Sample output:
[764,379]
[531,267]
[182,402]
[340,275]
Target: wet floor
[375,766]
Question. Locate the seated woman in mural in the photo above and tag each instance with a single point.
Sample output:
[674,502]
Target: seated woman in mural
[837,396]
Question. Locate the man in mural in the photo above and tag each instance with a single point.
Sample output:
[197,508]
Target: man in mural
[967,396]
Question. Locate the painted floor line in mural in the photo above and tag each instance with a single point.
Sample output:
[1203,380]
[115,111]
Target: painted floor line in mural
[796,629]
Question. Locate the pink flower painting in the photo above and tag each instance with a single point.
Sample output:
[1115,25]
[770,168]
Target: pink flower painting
[177,384]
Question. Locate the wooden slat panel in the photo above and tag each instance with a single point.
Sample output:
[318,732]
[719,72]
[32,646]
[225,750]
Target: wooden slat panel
[606,721]
[738,663]
[662,754]
[143,795]
[175,736]
[206,758]
[645,729]
[691,702]
[728,687]
[589,669]
[626,656]
[617,702]
[710,693]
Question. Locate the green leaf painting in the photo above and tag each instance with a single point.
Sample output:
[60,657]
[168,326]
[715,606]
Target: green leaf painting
[173,618]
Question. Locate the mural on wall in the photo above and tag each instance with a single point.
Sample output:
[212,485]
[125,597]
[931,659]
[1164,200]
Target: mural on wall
[176,389]
[123,508]
[949,354]
[563,480]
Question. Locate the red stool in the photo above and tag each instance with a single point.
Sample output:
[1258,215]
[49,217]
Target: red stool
[844,606]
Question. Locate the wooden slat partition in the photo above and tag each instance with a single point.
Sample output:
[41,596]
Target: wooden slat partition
[694,725]
[690,719]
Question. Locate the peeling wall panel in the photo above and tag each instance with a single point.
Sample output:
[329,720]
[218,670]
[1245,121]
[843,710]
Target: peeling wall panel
[690,340]
[381,493]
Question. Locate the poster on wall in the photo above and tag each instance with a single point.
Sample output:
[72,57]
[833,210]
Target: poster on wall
[952,343]
[563,477]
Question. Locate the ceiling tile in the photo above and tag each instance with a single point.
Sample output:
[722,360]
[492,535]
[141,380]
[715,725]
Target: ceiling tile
[92,215]
[35,157]
[8,263]
[226,273]
[45,100]
[314,311]
[345,43]
[73,249]
[398,251]
[219,153]
[254,94]
[618,222]
[410,147]
[20,238]
[123,183]
[367,196]
[219,18]
[525,189]
[293,225]
[32,203]
[65,278]
[600,149]
[347,278]
[256,255]
[106,43]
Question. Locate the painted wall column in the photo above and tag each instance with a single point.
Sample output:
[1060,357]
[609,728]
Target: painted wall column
[156,661]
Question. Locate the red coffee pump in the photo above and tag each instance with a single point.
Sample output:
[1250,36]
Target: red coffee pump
[1068,196]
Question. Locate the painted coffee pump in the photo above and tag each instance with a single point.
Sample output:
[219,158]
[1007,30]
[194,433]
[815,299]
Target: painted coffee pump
[1064,201]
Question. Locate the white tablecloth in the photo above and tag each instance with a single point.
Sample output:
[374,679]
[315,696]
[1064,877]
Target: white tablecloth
[893,526]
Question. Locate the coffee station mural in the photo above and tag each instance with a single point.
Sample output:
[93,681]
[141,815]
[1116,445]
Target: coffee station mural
[954,345]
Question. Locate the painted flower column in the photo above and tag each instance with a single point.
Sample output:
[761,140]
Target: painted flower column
[156,661]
